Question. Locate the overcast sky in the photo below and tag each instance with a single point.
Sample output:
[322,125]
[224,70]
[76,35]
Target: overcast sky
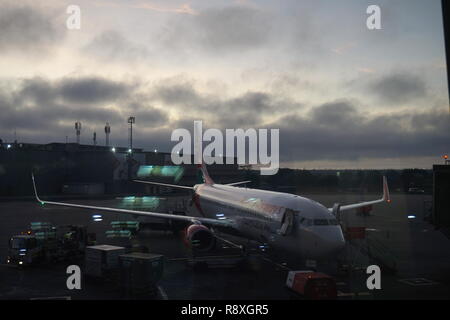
[342,96]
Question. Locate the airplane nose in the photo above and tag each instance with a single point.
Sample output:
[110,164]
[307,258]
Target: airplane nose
[336,247]
[332,242]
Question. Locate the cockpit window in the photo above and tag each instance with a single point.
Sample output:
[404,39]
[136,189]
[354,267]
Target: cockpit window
[333,222]
[305,221]
[320,222]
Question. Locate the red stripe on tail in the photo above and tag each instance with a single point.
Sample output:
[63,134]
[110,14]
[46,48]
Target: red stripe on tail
[205,174]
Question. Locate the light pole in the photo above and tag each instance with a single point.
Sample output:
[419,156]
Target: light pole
[107,132]
[78,130]
[131,121]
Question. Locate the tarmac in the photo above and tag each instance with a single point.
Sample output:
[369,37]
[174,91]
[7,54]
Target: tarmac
[420,256]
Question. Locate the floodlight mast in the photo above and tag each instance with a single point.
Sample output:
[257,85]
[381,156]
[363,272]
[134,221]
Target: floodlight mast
[78,130]
[107,132]
[131,121]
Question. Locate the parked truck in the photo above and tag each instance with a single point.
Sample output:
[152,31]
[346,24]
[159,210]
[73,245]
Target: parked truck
[44,243]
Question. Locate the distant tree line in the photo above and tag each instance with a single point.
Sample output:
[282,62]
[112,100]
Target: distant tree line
[300,181]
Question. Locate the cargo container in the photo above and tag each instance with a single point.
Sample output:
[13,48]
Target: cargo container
[312,285]
[140,273]
[102,260]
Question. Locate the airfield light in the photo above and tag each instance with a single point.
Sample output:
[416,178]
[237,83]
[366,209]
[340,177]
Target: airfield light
[220,216]
[97,217]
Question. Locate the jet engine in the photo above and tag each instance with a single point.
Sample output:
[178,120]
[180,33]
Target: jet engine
[200,238]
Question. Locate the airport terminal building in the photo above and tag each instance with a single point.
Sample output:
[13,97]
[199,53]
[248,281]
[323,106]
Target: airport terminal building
[71,168]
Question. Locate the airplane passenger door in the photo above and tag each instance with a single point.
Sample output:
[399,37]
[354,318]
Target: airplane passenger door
[287,222]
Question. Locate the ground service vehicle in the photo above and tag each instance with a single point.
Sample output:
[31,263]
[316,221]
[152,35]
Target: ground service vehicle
[45,243]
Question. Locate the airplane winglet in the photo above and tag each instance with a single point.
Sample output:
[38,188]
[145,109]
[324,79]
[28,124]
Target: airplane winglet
[386,196]
[35,190]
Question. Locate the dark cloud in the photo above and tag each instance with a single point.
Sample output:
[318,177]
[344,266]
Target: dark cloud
[91,90]
[36,90]
[338,113]
[339,131]
[26,28]
[180,93]
[82,90]
[248,109]
[398,87]
[146,114]
[44,108]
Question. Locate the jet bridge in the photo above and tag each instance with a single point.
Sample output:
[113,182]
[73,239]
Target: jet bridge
[440,216]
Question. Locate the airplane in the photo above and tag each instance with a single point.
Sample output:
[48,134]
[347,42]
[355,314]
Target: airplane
[290,223]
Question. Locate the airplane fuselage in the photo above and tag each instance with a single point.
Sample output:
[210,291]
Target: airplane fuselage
[283,221]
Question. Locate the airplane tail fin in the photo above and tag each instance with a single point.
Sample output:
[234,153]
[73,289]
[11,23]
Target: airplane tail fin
[386,196]
[206,178]
[198,153]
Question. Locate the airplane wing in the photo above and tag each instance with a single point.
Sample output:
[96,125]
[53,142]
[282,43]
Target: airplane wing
[368,203]
[164,184]
[188,219]
[237,183]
